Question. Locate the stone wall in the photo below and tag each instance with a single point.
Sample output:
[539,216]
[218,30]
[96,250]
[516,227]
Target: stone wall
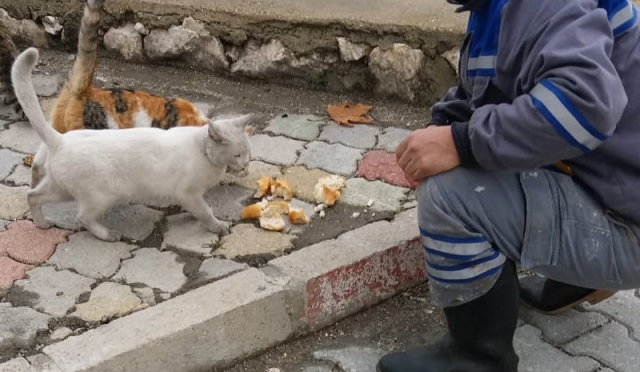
[418,70]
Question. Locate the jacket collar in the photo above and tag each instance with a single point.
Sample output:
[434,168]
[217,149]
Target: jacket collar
[468,5]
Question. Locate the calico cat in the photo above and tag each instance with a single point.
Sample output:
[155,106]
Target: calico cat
[82,106]
[8,53]
[100,169]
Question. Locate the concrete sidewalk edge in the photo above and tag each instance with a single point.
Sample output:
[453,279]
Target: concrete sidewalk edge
[220,324]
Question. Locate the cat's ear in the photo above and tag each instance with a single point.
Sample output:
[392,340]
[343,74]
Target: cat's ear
[216,132]
[249,130]
[241,121]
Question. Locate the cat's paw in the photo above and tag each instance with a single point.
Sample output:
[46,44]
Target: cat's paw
[44,225]
[113,236]
[221,228]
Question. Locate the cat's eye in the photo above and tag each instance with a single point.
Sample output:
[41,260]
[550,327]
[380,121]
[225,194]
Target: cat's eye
[237,155]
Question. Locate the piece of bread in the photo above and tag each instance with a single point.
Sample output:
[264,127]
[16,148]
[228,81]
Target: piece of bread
[280,188]
[264,186]
[327,190]
[272,220]
[251,211]
[297,217]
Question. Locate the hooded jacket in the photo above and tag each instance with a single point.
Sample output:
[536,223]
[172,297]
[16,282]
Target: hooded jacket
[543,81]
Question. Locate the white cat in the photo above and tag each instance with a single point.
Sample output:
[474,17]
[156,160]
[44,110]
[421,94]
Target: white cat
[102,168]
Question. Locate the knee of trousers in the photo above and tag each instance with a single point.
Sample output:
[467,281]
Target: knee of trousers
[457,258]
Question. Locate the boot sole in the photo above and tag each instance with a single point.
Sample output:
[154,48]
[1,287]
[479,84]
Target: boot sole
[593,299]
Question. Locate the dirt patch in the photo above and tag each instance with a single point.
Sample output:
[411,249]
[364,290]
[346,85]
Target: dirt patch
[404,321]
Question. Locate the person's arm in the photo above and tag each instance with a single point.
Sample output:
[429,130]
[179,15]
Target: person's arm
[453,107]
[572,98]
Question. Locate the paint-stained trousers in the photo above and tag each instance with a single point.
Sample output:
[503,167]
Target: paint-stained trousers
[471,221]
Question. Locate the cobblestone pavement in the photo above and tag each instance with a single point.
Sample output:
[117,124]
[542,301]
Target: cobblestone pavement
[599,338]
[63,281]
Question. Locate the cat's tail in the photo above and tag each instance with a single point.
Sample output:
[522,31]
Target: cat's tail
[87,55]
[8,53]
[26,94]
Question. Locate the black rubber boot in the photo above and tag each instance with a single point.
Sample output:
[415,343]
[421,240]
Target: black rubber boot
[551,297]
[480,337]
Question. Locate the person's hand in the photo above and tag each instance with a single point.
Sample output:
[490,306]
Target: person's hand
[427,152]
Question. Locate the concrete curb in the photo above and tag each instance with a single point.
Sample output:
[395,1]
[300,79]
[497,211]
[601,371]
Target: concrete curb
[216,325]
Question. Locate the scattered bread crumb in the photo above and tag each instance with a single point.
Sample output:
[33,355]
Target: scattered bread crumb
[264,185]
[321,214]
[370,203]
[251,211]
[280,188]
[27,160]
[271,219]
[297,217]
[327,190]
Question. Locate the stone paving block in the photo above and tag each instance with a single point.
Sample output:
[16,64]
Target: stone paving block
[358,269]
[154,269]
[302,181]
[227,201]
[275,150]
[19,326]
[359,136]
[108,301]
[15,365]
[333,158]
[60,334]
[186,233]
[610,345]
[133,221]
[21,176]
[360,192]
[26,243]
[7,113]
[146,295]
[47,85]
[538,356]
[13,202]
[21,137]
[216,268]
[212,325]
[562,328]
[301,127]
[624,307]
[246,239]
[390,138]
[42,363]
[352,358]
[54,292]
[257,169]
[3,123]
[317,369]
[11,271]
[381,165]
[89,256]
[8,160]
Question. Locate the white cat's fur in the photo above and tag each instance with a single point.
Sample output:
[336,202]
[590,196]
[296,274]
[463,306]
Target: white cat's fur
[102,168]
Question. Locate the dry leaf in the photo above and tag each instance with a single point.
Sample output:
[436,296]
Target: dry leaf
[346,114]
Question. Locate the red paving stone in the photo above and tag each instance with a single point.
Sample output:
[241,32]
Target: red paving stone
[11,271]
[382,165]
[27,244]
